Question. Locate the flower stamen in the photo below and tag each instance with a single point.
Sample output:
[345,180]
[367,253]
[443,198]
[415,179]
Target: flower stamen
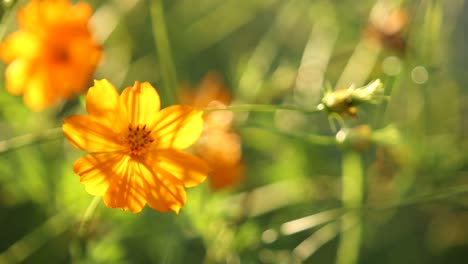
[138,140]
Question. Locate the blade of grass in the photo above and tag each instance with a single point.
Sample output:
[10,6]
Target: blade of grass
[301,137]
[163,49]
[30,139]
[323,235]
[263,108]
[352,196]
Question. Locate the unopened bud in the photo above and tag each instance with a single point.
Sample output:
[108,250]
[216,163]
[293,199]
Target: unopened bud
[344,102]
[371,93]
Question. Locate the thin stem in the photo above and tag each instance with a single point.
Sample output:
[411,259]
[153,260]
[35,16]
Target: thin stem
[88,215]
[163,48]
[78,247]
[262,108]
[352,196]
[309,138]
[414,200]
[320,237]
[30,139]
[421,198]
[318,139]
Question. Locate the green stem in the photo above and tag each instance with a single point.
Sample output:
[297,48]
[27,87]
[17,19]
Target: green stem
[30,139]
[163,49]
[78,247]
[88,215]
[352,196]
[308,138]
[262,108]
[421,198]
[410,201]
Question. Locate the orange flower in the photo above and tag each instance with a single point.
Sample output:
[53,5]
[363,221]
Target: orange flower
[211,89]
[136,154]
[387,27]
[53,55]
[219,146]
[222,150]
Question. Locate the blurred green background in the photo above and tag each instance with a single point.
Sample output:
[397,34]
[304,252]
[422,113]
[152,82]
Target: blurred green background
[291,206]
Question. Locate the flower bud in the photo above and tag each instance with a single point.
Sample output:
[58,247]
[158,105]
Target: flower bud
[345,101]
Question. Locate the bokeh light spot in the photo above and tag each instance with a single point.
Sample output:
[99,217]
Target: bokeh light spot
[391,66]
[419,75]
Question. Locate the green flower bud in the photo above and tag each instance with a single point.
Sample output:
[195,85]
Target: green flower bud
[345,101]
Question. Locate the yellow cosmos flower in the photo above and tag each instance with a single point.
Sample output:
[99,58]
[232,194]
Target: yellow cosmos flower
[136,148]
[53,55]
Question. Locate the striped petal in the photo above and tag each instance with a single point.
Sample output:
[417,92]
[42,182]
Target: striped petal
[97,171]
[103,104]
[127,189]
[177,127]
[135,184]
[90,135]
[141,102]
[165,192]
[189,169]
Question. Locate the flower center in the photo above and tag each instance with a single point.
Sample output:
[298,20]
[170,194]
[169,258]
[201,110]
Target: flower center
[61,55]
[138,140]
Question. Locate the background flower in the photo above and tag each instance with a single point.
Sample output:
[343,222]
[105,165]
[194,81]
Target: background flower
[219,145]
[53,54]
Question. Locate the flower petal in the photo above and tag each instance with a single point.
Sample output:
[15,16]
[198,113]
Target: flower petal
[177,127]
[188,168]
[164,191]
[103,104]
[84,55]
[20,44]
[39,14]
[141,102]
[226,175]
[17,75]
[97,171]
[128,188]
[37,94]
[88,134]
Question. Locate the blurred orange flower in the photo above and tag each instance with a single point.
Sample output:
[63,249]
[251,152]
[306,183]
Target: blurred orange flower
[53,55]
[136,148]
[387,26]
[219,145]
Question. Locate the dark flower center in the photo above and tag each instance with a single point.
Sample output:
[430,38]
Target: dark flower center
[138,140]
